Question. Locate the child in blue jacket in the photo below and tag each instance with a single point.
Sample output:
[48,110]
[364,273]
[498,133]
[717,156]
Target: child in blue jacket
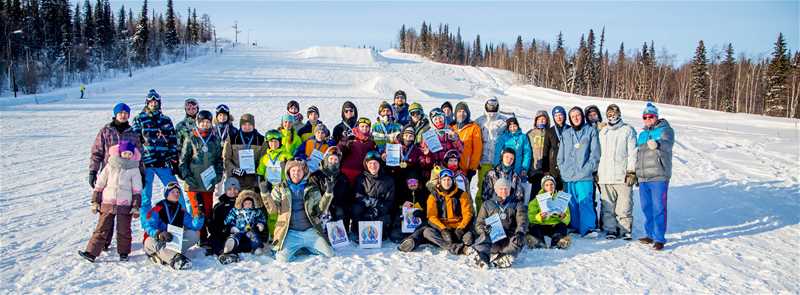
[170,212]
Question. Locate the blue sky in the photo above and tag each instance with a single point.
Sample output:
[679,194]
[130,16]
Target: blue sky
[752,26]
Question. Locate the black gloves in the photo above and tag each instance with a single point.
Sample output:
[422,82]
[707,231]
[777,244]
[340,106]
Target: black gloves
[164,236]
[518,239]
[630,179]
[93,178]
[175,170]
[419,214]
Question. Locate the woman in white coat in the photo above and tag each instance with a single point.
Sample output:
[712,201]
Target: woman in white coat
[616,174]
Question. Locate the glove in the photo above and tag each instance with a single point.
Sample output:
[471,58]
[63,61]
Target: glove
[164,236]
[93,178]
[652,144]
[238,172]
[448,236]
[260,227]
[262,187]
[95,208]
[234,230]
[518,239]
[630,179]
[135,212]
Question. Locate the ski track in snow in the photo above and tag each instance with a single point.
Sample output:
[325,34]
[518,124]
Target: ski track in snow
[734,203]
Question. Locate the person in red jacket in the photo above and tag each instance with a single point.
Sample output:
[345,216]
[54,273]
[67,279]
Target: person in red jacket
[355,149]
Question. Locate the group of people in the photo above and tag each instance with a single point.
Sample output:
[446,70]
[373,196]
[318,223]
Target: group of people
[277,190]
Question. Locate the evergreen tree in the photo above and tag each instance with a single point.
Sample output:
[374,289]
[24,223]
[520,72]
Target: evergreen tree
[776,98]
[89,24]
[699,76]
[141,37]
[728,81]
[171,40]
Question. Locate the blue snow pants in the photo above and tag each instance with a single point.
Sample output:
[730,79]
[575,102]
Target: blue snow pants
[653,197]
[581,206]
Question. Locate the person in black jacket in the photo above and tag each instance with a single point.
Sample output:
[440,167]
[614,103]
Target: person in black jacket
[344,130]
[217,229]
[374,194]
[342,195]
[553,140]
[414,195]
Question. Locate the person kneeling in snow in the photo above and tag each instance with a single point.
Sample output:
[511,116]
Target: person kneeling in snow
[169,212]
[513,217]
[449,216]
[246,221]
[299,208]
[116,196]
[218,232]
[545,223]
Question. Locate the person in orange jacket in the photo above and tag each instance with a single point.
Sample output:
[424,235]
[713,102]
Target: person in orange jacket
[470,134]
[449,213]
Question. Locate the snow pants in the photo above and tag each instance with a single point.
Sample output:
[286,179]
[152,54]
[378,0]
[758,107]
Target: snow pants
[617,207]
[203,202]
[653,195]
[581,206]
[308,239]
[105,230]
[165,175]
[154,247]
[455,246]
[478,196]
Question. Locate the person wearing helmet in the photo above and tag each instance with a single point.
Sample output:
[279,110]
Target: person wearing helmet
[271,168]
[223,128]
[159,145]
[492,124]
[307,131]
[447,138]
[355,149]
[385,129]
[247,140]
[417,121]
[185,127]
[400,108]
[202,151]
[374,194]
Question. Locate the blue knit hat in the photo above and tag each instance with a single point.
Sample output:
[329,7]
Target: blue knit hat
[121,107]
[650,109]
[559,110]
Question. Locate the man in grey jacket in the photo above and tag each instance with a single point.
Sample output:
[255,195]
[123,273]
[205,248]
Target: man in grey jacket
[654,169]
[616,174]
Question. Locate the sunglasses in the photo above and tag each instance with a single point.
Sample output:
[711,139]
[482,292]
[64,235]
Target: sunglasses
[348,110]
[648,117]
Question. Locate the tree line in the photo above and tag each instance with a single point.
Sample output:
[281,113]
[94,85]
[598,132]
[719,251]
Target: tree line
[713,79]
[49,43]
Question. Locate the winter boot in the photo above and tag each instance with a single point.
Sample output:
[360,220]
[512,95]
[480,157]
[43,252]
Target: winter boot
[180,262]
[87,256]
[627,236]
[534,243]
[503,261]
[562,243]
[230,245]
[123,257]
[658,246]
[611,236]
[646,240]
[408,245]
[478,260]
[228,258]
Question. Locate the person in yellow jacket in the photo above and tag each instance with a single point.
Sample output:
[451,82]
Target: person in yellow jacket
[450,214]
[552,224]
[470,134]
[290,140]
[271,168]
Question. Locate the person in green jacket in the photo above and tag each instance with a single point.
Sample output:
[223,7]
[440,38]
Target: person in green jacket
[290,140]
[544,223]
[271,168]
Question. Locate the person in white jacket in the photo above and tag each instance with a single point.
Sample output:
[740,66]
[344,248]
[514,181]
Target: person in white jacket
[616,174]
[492,124]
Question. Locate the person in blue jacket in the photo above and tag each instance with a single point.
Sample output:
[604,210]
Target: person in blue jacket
[578,158]
[516,140]
[400,108]
[653,170]
[170,212]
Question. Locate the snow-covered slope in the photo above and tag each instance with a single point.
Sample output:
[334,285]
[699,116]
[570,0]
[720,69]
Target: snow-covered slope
[734,201]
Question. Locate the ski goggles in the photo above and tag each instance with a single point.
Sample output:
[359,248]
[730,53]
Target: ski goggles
[649,116]
[223,109]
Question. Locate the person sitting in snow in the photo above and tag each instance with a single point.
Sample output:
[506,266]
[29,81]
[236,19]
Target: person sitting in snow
[374,193]
[512,213]
[116,196]
[414,196]
[504,170]
[246,222]
[552,224]
[170,212]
